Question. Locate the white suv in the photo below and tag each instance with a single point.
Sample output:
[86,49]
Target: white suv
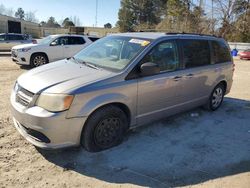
[49,49]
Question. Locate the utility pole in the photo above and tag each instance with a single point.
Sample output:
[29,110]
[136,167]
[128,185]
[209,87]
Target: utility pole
[212,16]
[96,10]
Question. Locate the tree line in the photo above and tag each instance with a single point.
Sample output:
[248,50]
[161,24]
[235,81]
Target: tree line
[226,18]
[51,22]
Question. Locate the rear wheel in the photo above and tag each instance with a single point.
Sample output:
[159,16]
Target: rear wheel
[104,129]
[216,98]
[38,60]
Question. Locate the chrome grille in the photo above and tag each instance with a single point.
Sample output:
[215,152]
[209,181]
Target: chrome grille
[23,96]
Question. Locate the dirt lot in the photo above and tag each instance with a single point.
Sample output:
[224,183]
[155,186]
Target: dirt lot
[205,150]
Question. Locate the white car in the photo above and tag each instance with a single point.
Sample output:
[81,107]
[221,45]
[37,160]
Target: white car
[49,49]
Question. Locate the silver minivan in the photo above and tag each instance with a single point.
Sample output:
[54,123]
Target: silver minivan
[119,82]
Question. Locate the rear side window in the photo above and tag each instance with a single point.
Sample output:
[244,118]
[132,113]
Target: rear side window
[15,37]
[76,40]
[220,52]
[93,39]
[195,53]
[61,41]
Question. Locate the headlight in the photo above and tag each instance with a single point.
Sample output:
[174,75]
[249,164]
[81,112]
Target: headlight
[23,49]
[54,102]
[16,87]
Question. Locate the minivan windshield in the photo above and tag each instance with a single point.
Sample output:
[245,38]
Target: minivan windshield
[112,52]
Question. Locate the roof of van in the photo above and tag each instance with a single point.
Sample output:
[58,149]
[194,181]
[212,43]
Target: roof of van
[156,35]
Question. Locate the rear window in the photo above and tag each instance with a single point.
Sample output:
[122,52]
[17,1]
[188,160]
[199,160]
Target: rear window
[195,53]
[76,40]
[93,39]
[220,52]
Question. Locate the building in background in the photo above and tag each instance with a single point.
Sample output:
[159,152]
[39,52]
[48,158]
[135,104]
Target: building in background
[14,25]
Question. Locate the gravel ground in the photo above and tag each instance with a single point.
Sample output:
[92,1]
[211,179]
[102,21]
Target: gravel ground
[211,149]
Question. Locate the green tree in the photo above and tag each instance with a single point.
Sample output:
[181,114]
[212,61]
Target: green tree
[52,23]
[20,13]
[137,14]
[108,25]
[67,23]
[176,16]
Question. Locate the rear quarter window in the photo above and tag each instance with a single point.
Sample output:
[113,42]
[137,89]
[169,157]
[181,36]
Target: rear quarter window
[220,52]
[195,53]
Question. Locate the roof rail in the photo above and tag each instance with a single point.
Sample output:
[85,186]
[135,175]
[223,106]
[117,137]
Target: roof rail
[183,33]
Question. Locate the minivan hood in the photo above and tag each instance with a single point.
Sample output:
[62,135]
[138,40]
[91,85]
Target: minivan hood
[60,77]
[24,46]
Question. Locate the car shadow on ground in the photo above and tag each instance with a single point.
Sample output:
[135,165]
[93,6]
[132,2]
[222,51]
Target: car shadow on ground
[186,149]
[25,67]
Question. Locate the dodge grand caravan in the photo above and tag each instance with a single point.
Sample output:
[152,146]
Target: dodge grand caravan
[119,82]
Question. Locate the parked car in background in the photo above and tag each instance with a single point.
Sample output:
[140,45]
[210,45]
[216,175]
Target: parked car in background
[119,82]
[49,49]
[8,40]
[245,54]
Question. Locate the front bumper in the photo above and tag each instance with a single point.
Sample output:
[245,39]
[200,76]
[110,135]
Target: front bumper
[20,57]
[59,130]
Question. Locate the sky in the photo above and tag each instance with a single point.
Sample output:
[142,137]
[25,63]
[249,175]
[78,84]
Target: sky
[60,9]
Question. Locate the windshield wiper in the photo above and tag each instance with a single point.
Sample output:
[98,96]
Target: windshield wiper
[85,63]
[90,65]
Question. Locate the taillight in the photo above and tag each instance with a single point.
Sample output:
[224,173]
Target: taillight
[34,41]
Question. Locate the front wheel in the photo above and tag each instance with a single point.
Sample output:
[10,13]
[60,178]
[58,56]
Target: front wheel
[38,60]
[104,129]
[216,97]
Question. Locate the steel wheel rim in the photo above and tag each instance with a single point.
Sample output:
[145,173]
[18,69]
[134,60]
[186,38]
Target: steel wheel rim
[107,132]
[39,60]
[217,97]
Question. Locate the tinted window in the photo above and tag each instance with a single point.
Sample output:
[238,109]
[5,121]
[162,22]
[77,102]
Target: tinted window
[93,39]
[165,55]
[15,37]
[195,53]
[2,37]
[220,52]
[76,40]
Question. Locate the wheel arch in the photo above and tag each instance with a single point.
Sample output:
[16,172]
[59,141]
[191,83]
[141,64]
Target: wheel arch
[224,83]
[120,105]
[37,53]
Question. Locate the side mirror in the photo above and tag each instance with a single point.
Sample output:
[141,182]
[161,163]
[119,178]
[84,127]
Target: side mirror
[149,68]
[53,44]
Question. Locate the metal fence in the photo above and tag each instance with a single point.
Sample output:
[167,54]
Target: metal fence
[239,46]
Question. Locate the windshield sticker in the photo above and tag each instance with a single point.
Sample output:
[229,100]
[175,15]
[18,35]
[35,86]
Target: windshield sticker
[141,42]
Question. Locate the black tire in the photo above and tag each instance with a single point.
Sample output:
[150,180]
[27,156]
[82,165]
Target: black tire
[104,129]
[38,60]
[216,97]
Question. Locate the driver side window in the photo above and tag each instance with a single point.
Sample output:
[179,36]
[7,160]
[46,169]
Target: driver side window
[165,55]
[60,41]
